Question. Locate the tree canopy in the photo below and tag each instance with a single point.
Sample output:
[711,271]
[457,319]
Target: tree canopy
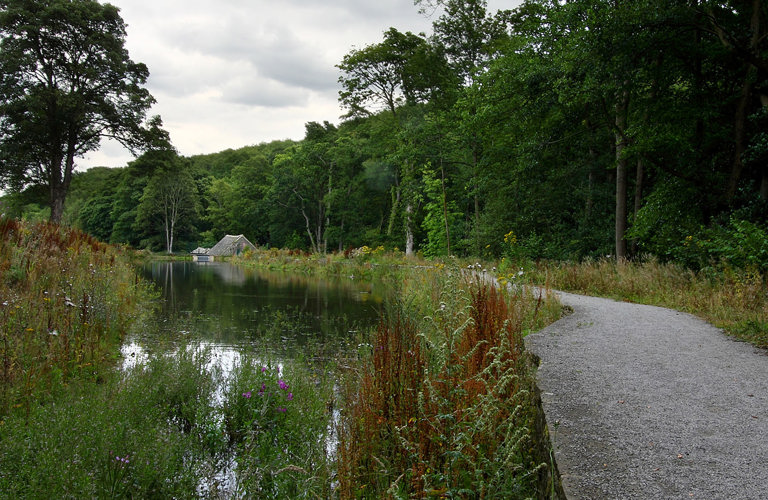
[66,82]
[558,130]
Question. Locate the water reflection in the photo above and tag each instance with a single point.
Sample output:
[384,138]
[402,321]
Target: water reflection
[272,313]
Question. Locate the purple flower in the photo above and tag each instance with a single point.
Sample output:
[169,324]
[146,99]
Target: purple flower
[263,369]
[282,410]
[290,396]
[263,388]
[282,385]
[247,394]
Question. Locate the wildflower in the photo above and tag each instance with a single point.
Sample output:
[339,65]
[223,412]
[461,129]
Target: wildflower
[282,385]
[247,395]
[263,369]
[282,410]
[53,332]
[290,396]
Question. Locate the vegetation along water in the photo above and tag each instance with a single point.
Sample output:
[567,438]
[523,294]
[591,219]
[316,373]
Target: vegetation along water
[614,148]
[237,385]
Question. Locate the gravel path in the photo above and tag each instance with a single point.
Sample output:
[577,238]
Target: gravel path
[645,402]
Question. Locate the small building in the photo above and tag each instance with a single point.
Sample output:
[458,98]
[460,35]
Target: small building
[228,246]
[200,254]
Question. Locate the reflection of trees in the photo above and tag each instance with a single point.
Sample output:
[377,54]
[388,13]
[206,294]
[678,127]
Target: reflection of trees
[228,273]
[223,303]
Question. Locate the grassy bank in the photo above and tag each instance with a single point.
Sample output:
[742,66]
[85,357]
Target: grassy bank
[66,301]
[733,299]
[361,263]
[439,400]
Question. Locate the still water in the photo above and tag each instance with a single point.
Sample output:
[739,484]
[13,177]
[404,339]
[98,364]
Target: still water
[278,315]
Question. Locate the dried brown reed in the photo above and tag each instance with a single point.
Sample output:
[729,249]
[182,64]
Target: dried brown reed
[446,409]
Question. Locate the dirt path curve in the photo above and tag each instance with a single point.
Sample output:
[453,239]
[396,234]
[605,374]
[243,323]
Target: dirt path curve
[645,402]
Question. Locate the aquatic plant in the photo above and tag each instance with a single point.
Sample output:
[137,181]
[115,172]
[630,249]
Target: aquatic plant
[277,420]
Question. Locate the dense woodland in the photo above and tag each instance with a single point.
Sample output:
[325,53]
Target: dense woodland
[560,129]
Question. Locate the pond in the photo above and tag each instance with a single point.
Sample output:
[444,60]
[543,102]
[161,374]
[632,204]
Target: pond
[277,315]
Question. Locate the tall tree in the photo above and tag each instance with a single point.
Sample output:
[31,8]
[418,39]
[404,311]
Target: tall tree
[66,82]
[469,36]
[401,71]
[168,204]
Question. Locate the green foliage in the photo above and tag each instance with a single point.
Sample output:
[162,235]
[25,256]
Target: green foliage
[167,207]
[277,419]
[441,216]
[739,244]
[528,119]
[67,81]
[115,440]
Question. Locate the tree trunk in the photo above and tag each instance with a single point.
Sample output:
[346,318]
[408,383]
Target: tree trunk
[58,183]
[395,207]
[739,135]
[445,208]
[764,185]
[58,196]
[639,180]
[409,229]
[476,189]
[622,106]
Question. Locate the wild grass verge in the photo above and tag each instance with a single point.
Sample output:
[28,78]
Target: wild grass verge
[444,404]
[733,299]
[66,300]
[441,403]
[362,263]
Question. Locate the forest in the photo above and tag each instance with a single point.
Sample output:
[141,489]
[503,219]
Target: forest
[563,129]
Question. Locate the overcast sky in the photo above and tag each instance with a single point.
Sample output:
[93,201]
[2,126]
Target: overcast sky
[231,73]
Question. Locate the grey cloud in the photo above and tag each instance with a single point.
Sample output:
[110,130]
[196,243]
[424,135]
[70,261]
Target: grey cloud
[262,93]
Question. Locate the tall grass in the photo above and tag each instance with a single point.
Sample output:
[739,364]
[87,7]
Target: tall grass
[174,427]
[446,406]
[442,404]
[733,299]
[66,300]
[138,434]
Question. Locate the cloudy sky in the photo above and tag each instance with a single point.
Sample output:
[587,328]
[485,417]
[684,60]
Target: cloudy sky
[231,73]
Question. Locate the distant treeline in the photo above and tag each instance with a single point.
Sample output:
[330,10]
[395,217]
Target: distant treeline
[575,129]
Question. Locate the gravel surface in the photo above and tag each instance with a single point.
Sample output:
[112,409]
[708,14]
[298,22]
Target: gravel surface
[646,402]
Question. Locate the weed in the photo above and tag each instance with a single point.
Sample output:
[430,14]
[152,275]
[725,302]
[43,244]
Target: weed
[445,407]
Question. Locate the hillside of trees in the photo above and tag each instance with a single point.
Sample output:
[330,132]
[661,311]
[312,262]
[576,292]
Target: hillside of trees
[577,129]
